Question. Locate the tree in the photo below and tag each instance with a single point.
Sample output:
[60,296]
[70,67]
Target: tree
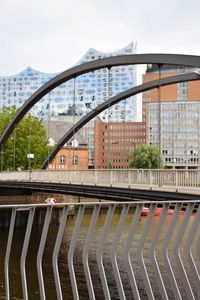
[29,136]
[145,157]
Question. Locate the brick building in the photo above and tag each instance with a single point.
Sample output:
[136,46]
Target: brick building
[113,141]
[70,158]
[74,155]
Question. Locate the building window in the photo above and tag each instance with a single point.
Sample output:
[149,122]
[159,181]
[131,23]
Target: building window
[75,160]
[63,159]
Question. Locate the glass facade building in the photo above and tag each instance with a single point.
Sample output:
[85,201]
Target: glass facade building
[176,108]
[77,96]
[180,132]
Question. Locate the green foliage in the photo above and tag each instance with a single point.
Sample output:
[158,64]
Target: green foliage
[145,157]
[29,136]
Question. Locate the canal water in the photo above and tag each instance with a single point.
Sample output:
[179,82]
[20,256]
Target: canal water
[32,279]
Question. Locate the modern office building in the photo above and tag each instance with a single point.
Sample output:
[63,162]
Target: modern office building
[184,91]
[77,96]
[113,142]
[180,132]
[174,124]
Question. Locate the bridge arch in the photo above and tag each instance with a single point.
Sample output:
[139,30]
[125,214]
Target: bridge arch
[172,59]
[111,101]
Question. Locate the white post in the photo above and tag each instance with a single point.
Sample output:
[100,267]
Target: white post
[69,176]
[176,178]
[111,179]
[95,177]
[129,178]
[150,178]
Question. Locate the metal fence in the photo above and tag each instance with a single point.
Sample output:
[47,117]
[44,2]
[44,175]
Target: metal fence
[126,178]
[128,251]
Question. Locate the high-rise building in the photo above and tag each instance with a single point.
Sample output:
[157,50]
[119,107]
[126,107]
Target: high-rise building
[77,96]
[180,132]
[173,124]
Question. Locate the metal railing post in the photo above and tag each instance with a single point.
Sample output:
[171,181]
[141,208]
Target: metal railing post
[100,248]
[114,251]
[56,252]
[41,251]
[95,177]
[150,178]
[24,252]
[8,249]
[129,178]
[86,251]
[111,178]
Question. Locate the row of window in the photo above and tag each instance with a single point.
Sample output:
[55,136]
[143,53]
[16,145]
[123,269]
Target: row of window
[63,159]
[132,133]
[117,147]
[123,127]
[182,160]
[115,160]
[174,107]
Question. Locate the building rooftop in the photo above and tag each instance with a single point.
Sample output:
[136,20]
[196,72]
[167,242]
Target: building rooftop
[57,128]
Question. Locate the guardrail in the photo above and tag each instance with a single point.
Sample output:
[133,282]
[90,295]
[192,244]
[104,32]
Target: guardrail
[127,251]
[181,178]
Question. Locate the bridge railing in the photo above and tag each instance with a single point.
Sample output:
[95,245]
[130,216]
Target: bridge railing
[131,251]
[127,178]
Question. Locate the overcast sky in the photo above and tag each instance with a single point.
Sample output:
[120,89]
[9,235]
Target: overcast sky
[52,35]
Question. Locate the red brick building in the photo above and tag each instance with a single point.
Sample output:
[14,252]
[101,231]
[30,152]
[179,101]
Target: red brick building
[70,158]
[113,142]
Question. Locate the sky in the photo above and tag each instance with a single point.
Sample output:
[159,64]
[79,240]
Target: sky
[52,35]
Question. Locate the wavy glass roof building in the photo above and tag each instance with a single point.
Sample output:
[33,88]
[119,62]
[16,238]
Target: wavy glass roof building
[79,96]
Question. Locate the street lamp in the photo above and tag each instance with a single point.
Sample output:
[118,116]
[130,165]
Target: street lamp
[159,110]
[14,148]
[30,156]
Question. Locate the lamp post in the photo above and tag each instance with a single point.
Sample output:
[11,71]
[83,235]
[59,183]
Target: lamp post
[159,111]
[14,149]
[90,139]
[109,165]
[30,156]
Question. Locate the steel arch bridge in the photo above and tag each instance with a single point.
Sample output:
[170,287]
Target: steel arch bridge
[160,59]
